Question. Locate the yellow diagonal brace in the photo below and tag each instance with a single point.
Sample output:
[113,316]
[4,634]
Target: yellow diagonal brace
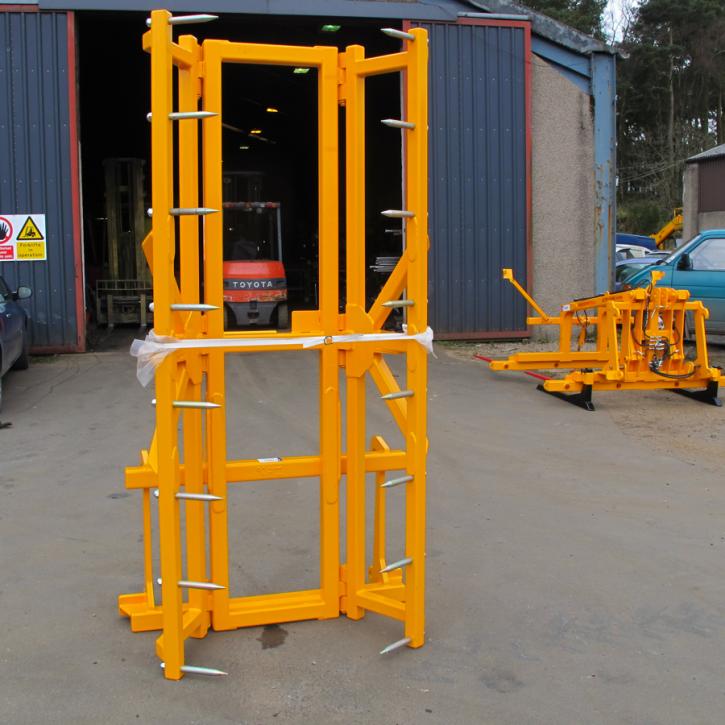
[391,290]
[385,382]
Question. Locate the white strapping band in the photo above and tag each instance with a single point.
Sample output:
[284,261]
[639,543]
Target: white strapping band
[152,351]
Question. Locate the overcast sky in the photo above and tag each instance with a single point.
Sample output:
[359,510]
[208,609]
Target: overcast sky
[613,16]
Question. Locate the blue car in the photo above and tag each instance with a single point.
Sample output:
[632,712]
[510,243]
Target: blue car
[14,333]
[626,268]
[698,266]
[638,240]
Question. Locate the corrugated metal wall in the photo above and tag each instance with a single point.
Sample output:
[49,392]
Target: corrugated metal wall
[478,184]
[36,165]
[712,183]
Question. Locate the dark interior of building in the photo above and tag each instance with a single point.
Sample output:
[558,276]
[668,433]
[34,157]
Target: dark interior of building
[269,144]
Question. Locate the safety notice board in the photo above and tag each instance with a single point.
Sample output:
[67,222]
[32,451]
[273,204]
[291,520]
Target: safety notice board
[22,238]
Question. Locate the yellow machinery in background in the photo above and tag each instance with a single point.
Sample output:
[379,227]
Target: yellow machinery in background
[639,345]
[187,462]
[673,226]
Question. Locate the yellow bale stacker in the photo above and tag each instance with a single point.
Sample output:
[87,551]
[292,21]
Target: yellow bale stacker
[639,345]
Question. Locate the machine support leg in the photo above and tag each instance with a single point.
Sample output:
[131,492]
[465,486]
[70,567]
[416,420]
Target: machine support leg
[582,399]
[708,395]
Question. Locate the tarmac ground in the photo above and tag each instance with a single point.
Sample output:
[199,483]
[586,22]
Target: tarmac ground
[574,573]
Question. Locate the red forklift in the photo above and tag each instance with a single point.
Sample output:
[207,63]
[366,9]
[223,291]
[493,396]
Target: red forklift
[255,282]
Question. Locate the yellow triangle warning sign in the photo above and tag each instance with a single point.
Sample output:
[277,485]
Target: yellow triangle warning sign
[29,231]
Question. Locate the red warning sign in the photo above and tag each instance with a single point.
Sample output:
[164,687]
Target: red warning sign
[6,230]
[23,238]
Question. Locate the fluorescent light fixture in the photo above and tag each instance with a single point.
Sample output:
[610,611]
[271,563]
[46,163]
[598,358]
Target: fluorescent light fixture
[244,148]
[329,28]
[301,71]
[256,131]
[272,109]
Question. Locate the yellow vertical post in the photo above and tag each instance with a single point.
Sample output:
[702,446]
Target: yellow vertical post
[565,335]
[188,134]
[162,169]
[355,177]
[194,483]
[329,317]
[213,230]
[189,180]
[328,190]
[355,299]
[416,191]
[148,559]
[216,447]
[213,294]
[379,444]
[355,492]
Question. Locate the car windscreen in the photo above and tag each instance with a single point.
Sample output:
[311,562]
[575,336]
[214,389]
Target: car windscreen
[682,248]
[624,271]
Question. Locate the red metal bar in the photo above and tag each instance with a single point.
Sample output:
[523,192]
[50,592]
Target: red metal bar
[76,187]
[538,376]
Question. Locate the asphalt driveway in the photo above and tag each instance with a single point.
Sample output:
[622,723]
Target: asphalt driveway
[575,560]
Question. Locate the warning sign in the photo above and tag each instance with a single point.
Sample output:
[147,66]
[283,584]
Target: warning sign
[29,231]
[22,238]
[30,250]
[6,230]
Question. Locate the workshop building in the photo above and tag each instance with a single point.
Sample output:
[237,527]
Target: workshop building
[703,201]
[522,152]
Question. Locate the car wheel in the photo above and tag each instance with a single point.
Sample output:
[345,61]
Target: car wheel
[23,361]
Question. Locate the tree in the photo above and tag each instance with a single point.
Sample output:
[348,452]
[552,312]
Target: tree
[670,100]
[584,15]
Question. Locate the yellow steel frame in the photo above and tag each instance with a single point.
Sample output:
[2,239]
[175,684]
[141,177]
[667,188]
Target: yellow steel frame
[196,376]
[639,342]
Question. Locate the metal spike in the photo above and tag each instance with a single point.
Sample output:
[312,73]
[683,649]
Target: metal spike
[193,496]
[395,123]
[198,497]
[191,404]
[182,115]
[397,565]
[184,307]
[187,19]
[399,303]
[398,214]
[199,585]
[395,645]
[399,394]
[192,211]
[194,404]
[396,481]
[395,33]
[194,670]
